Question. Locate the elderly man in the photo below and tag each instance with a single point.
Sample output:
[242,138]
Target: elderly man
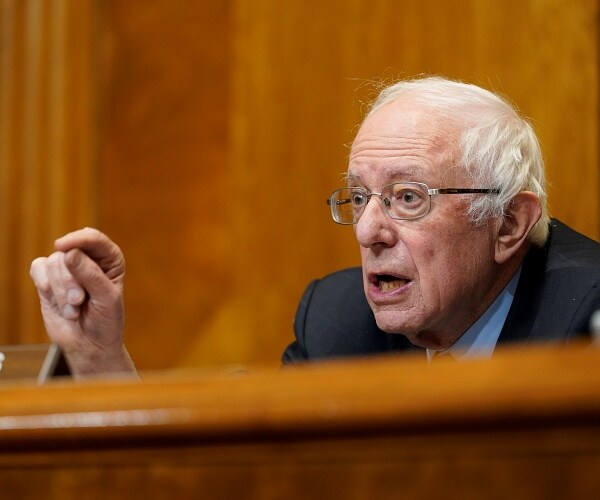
[445,190]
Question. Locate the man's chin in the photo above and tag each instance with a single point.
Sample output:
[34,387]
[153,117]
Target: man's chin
[417,334]
[393,322]
[414,336]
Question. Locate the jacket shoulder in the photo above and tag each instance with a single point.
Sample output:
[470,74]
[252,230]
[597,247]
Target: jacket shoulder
[558,291]
[568,248]
[334,319]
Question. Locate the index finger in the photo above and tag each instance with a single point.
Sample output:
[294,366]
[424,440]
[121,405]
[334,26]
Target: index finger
[98,247]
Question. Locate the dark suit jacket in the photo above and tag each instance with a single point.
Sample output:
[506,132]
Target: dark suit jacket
[558,290]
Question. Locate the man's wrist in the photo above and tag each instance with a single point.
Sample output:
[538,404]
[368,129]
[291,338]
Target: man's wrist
[93,363]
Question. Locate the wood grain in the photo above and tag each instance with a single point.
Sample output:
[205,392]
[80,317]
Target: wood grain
[523,425]
[205,137]
[48,134]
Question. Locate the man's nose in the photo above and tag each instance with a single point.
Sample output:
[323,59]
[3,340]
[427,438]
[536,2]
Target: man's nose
[375,226]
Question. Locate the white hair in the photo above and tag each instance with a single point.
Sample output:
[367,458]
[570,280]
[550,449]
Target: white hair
[498,147]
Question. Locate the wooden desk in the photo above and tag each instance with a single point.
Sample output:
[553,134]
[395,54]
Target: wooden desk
[525,425]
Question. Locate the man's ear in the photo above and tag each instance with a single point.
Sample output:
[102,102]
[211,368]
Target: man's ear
[522,213]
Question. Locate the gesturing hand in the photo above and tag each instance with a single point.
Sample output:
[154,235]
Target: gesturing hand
[81,295]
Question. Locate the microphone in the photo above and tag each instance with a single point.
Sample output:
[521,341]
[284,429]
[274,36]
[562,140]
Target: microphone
[595,327]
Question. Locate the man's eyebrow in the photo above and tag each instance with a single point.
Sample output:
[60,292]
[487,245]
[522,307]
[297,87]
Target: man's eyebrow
[392,171]
[404,171]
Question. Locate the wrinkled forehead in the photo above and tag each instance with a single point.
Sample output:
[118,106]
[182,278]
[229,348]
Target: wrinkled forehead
[408,117]
[407,136]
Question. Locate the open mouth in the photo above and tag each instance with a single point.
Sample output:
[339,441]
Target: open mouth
[388,282]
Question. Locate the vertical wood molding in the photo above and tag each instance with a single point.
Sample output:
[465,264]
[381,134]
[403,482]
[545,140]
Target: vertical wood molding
[48,134]
[7,15]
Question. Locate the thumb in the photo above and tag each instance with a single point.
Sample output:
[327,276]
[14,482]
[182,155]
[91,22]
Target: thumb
[89,275]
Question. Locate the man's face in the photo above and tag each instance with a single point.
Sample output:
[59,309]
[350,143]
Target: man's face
[428,278]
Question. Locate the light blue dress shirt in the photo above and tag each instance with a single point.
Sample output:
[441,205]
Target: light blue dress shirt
[481,338]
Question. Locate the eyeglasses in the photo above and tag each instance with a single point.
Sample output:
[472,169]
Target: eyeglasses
[402,200]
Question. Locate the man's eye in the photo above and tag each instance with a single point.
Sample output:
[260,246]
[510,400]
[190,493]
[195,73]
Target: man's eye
[358,198]
[408,197]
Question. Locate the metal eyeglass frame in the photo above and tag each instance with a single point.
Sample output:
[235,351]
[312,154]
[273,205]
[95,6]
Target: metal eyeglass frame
[387,203]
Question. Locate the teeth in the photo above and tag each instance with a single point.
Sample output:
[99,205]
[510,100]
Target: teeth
[387,286]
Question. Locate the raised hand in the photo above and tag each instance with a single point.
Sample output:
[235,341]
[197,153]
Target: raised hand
[81,295]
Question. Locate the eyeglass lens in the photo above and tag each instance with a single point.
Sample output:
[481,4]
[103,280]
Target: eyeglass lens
[401,201]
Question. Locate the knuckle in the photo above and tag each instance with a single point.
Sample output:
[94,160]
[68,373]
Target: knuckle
[54,259]
[37,264]
[92,232]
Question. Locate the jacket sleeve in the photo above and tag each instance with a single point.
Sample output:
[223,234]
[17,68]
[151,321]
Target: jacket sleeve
[296,351]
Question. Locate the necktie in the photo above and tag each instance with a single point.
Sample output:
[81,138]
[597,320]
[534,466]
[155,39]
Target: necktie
[440,356]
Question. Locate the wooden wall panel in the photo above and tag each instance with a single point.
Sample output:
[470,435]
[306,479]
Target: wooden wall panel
[166,192]
[47,144]
[221,127]
[300,74]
